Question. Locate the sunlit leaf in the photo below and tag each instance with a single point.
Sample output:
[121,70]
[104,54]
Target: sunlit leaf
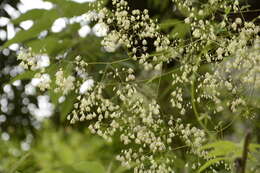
[42,24]
[180,30]
[67,105]
[222,148]
[23,76]
[90,167]
[33,14]
[209,163]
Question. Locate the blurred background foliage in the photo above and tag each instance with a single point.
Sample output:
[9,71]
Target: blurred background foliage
[58,151]
[31,143]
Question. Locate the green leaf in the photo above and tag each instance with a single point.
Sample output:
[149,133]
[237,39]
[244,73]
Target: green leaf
[162,5]
[219,144]
[19,162]
[52,45]
[53,95]
[169,23]
[30,15]
[70,9]
[180,30]
[227,10]
[121,169]
[221,148]
[23,76]
[254,147]
[209,163]
[43,23]
[67,105]
[62,169]
[90,167]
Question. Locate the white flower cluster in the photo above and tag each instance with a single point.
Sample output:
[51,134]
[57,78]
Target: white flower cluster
[239,57]
[104,114]
[81,68]
[192,136]
[28,59]
[135,31]
[113,103]
[44,81]
[106,118]
[32,61]
[238,76]
[140,124]
[64,84]
[38,63]
[220,66]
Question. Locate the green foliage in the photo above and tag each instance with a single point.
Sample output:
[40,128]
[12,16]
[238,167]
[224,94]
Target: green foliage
[43,20]
[210,163]
[41,24]
[177,28]
[23,76]
[34,15]
[227,152]
[56,151]
[168,99]
[222,148]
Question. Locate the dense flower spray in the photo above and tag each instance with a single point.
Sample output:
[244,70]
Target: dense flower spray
[228,49]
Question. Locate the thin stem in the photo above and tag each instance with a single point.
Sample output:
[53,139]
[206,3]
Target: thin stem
[160,76]
[240,162]
[109,63]
[194,107]
[17,164]
[245,152]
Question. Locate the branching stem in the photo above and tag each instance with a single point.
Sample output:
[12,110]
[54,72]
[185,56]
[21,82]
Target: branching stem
[245,151]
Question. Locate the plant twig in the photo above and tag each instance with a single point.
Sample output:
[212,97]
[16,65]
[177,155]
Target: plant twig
[19,162]
[245,151]
[240,163]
